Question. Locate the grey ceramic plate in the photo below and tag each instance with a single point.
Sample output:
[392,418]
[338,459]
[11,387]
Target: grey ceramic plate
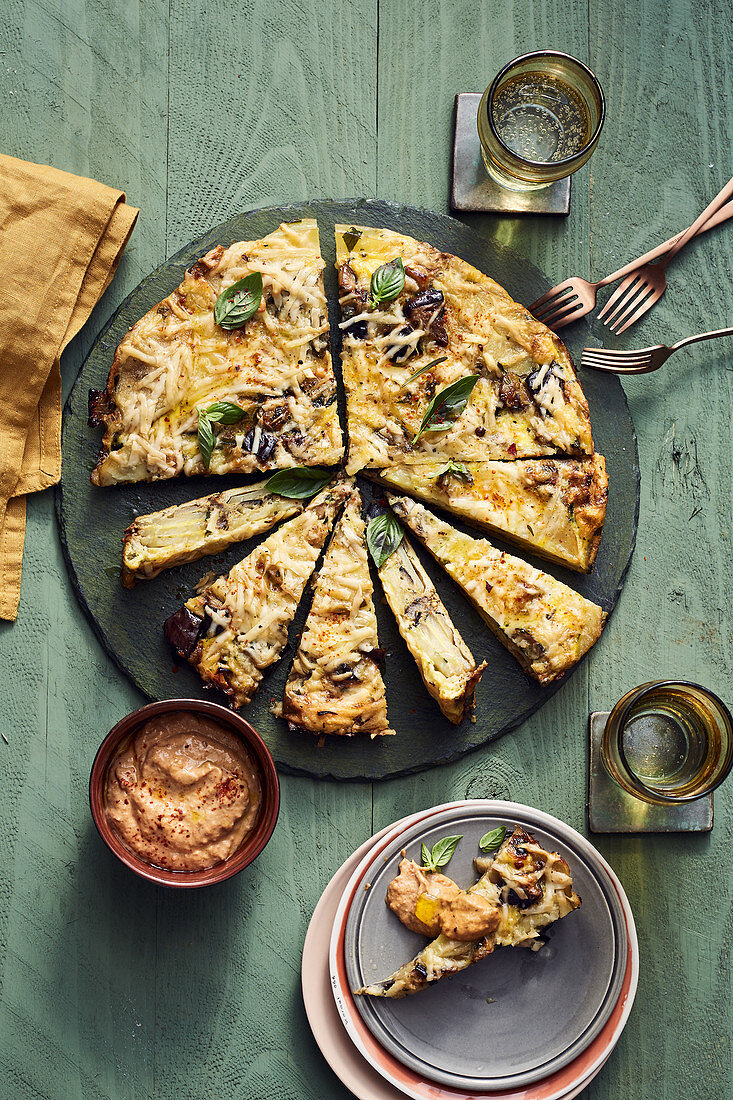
[129,623]
[517,1016]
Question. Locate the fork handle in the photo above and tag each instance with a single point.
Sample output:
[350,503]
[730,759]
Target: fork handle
[719,216]
[701,336]
[723,195]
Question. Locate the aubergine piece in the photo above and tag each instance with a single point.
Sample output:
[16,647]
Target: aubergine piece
[187,532]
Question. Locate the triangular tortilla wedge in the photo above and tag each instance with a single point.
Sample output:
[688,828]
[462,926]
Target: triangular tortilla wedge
[238,626]
[553,507]
[527,401]
[545,624]
[197,528]
[445,662]
[531,887]
[335,685]
[177,360]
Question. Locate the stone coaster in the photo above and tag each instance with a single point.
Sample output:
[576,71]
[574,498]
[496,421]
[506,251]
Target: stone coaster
[612,810]
[473,190]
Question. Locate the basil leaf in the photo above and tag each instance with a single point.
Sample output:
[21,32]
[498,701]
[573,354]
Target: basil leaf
[447,405]
[224,412]
[458,470]
[351,237]
[441,853]
[206,438]
[239,302]
[444,849]
[383,535]
[492,839]
[299,482]
[423,370]
[387,282]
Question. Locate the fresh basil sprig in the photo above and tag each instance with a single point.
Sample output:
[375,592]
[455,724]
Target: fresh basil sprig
[458,470]
[383,535]
[492,839]
[221,412]
[387,282]
[440,854]
[351,237]
[423,370]
[239,302]
[447,405]
[299,482]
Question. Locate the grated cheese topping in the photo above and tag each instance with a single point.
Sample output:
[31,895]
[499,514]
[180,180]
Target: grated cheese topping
[335,685]
[277,368]
[528,401]
[246,613]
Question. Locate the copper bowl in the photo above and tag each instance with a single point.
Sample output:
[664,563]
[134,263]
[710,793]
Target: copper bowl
[253,843]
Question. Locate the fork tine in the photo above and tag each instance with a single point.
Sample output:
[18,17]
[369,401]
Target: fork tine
[635,309]
[618,353]
[568,316]
[632,292]
[620,291]
[644,307]
[551,294]
[565,314]
[554,304]
[628,361]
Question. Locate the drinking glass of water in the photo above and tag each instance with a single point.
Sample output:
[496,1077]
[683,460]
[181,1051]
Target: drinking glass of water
[540,120]
[668,742]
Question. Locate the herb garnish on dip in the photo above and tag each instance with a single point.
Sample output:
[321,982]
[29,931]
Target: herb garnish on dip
[183,793]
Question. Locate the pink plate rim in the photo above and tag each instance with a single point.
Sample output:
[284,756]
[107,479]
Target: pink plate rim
[554,1087]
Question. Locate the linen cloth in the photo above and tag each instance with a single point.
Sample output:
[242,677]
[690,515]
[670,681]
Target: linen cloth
[61,238]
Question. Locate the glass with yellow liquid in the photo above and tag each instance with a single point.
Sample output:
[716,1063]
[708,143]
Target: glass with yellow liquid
[668,742]
[540,120]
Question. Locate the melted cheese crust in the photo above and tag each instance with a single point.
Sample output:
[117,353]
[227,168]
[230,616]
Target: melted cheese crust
[187,532]
[335,685]
[277,367]
[521,869]
[544,624]
[246,613]
[554,507]
[444,660]
[527,402]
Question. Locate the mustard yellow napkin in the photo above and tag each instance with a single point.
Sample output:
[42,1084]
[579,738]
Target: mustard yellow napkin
[61,237]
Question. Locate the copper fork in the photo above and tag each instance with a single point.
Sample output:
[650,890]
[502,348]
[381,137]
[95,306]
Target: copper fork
[641,290]
[644,360]
[576,297]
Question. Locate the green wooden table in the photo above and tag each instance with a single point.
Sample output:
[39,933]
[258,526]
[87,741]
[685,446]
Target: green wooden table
[111,988]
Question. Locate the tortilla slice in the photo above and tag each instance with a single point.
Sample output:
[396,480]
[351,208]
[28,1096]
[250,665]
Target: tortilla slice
[545,624]
[553,507]
[274,371]
[238,626]
[335,685]
[445,662]
[533,888]
[527,400]
[187,532]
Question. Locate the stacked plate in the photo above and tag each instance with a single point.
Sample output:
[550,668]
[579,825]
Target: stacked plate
[520,1025]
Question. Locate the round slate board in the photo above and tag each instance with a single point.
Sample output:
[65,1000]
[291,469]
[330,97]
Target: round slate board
[129,623]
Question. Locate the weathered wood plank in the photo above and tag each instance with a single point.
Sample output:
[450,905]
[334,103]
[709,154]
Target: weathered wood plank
[84,87]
